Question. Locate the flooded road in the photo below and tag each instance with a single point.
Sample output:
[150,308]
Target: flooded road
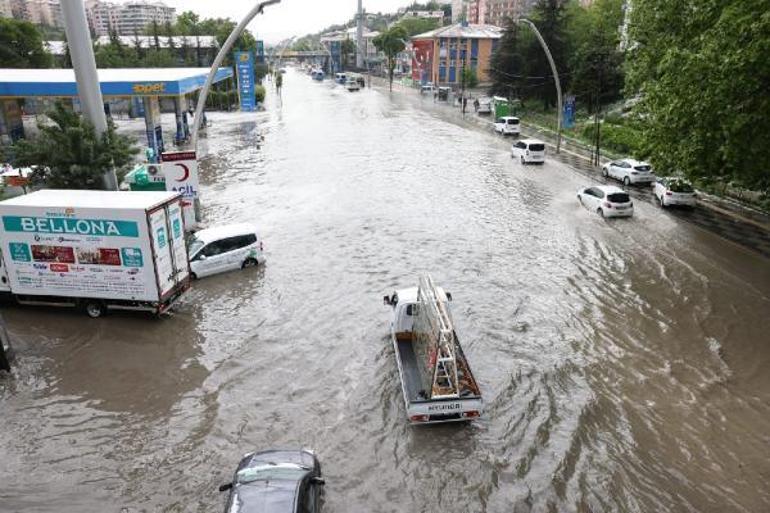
[624,363]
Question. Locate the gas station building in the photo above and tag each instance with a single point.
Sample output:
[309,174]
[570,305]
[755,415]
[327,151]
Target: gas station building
[143,86]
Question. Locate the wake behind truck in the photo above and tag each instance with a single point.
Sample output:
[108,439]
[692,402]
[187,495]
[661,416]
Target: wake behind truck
[96,250]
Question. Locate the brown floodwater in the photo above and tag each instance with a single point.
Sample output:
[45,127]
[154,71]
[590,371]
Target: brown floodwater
[624,363]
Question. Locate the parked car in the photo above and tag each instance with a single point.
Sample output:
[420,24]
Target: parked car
[276,481]
[629,171]
[606,200]
[483,105]
[352,84]
[442,93]
[674,191]
[508,125]
[224,248]
[427,88]
[529,151]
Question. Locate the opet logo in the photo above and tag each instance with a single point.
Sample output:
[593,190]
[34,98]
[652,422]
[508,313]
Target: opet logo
[160,87]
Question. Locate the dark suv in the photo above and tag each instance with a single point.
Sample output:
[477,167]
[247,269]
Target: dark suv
[276,481]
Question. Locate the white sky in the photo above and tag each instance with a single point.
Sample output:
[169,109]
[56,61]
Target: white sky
[288,18]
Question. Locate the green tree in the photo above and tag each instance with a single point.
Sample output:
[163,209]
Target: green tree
[469,78]
[414,26]
[21,45]
[702,73]
[75,156]
[551,19]
[508,64]
[347,48]
[187,24]
[391,42]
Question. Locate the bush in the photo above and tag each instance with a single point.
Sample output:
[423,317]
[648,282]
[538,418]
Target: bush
[622,139]
[260,92]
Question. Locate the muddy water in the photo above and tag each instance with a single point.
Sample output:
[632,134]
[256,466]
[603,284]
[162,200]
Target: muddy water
[624,363]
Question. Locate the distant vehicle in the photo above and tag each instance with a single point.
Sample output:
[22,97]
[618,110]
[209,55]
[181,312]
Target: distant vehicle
[282,70]
[629,171]
[529,151]
[436,380]
[340,78]
[442,93]
[352,85]
[317,74]
[606,200]
[224,248]
[674,191]
[276,481]
[427,88]
[483,105]
[508,125]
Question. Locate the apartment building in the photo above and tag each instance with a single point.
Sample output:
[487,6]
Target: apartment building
[39,12]
[5,9]
[103,17]
[135,16]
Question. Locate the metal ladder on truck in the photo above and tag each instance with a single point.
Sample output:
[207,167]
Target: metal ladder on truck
[444,383]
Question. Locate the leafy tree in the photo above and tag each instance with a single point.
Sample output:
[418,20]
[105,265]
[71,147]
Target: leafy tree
[469,78]
[75,156]
[347,47]
[702,73]
[187,24]
[414,26]
[391,42]
[508,63]
[21,45]
[550,18]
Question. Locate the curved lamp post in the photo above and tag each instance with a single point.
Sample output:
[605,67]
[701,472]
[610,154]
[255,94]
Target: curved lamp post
[555,77]
[218,60]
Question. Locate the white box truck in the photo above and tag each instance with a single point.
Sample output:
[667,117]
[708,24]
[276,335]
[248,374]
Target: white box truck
[96,250]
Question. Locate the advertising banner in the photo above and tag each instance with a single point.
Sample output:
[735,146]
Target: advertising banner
[422,60]
[568,118]
[180,169]
[260,52]
[244,65]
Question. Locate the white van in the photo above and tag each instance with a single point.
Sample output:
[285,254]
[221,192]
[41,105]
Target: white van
[508,125]
[529,151]
[224,248]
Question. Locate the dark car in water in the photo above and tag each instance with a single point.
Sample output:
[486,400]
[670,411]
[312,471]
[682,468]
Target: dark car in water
[276,481]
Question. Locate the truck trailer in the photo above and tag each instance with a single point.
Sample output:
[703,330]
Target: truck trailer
[96,250]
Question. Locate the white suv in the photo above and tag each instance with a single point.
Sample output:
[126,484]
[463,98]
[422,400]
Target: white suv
[529,151]
[224,248]
[508,125]
[606,200]
[674,191]
[629,171]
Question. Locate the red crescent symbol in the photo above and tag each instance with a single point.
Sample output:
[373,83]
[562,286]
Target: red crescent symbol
[186,173]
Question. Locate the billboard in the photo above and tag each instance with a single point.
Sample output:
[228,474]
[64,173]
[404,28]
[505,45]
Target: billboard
[261,52]
[422,60]
[244,66]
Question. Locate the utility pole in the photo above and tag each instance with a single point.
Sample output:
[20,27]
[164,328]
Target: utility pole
[84,65]
[360,35]
[462,94]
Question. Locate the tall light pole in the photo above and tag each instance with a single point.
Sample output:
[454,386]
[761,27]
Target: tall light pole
[84,65]
[360,35]
[218,60]
[555,77]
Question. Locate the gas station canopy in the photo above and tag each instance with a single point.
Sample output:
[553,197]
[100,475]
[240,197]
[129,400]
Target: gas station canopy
[25,83]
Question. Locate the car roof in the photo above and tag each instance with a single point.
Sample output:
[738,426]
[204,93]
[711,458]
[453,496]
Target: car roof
[508,117]
[635,162]
[221,232]
[608,189]
[531,141]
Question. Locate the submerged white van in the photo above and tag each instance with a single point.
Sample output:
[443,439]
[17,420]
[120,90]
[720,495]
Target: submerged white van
[224,248]
[529,151]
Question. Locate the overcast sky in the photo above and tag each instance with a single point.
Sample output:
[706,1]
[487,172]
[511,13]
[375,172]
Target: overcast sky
[290,17]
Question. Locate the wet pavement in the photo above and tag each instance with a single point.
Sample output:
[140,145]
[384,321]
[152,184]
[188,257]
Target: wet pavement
[623,362]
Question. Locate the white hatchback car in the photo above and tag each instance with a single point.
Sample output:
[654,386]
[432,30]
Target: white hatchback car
[606,200]
[224,248]
[629,171]
[529,151]
[674,191]
[508,125]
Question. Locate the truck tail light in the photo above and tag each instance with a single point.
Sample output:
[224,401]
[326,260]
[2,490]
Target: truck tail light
[419,418]
[668,193]
[261,246]
[471,414]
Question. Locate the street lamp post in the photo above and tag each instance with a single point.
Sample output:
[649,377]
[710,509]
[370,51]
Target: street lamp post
[555,77]
[237,31]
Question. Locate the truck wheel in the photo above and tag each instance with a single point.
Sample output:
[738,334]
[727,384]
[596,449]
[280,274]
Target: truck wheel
[193,276]
[605,174]
[626,181]
[249,262]
[94,308]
